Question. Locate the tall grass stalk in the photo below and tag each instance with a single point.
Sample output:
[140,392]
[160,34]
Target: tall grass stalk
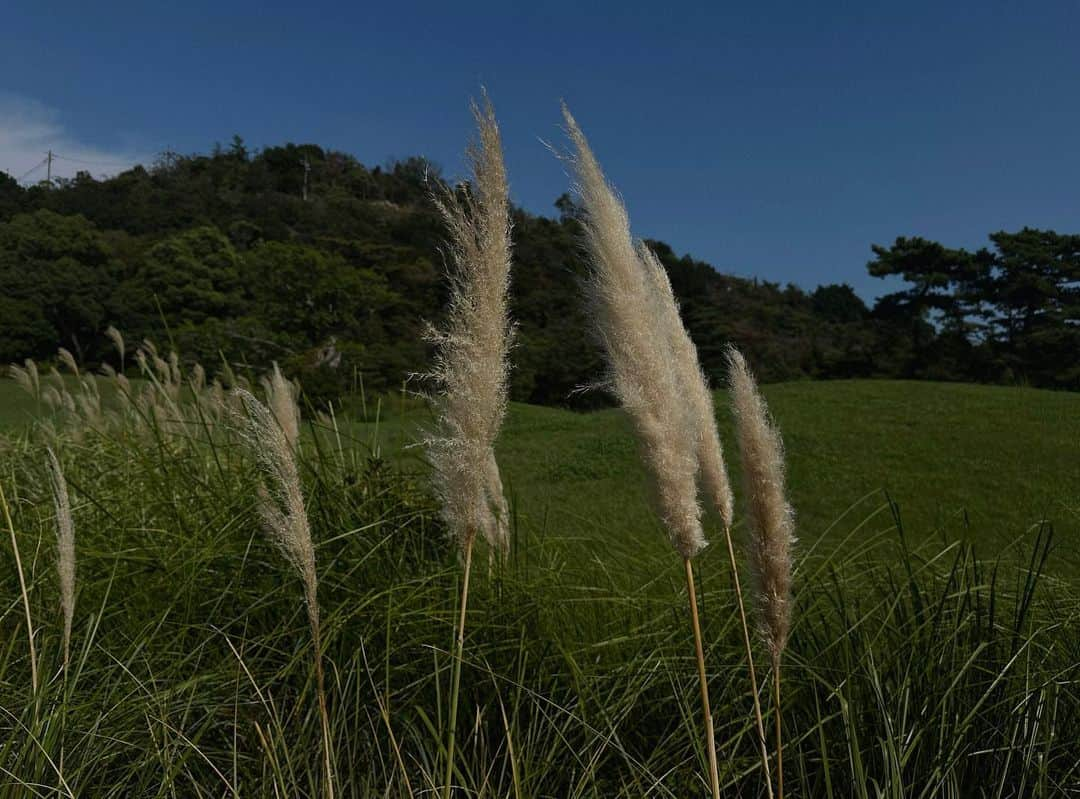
[699,649]
[471,370]
[22,590]
[644,373]
[284,517]
[65,547]
[712,475]
[771,523]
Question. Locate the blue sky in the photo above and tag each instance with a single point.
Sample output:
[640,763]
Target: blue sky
[771,139]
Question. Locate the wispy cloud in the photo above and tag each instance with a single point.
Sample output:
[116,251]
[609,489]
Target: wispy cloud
[29,129]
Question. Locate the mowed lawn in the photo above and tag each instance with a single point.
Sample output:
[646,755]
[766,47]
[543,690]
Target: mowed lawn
[982,463]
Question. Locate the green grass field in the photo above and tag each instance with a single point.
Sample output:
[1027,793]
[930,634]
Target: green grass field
[982,463]
[978,463]
[917,667]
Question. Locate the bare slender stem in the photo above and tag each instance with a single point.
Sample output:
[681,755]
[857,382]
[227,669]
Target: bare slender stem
[750,664]
[779,741]
[324,716]
[455,679]
[710,739]
[22,588]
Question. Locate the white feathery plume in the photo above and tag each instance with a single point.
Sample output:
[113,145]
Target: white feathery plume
[281,502]
[123,384]
[176,377]
[65,545]
[118,341]
[27,377]
[284,518]
[89,400]
[471,367]
[694,388]
[772,523]
[712,473]
[68,360]
[51,397]
[641,372]
[281,397]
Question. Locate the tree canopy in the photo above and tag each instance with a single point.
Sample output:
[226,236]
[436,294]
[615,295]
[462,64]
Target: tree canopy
[222,255]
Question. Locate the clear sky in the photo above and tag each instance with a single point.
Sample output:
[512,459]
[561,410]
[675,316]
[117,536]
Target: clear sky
[771,139]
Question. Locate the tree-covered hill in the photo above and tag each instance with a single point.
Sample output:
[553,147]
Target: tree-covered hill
[332,268]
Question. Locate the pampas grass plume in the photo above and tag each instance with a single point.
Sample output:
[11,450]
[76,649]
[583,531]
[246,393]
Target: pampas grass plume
[772,522]
[68,360]
[117,339]
[712,472]
[280,507]
[471,367]
[694,387]
[281,397]
[471,370]
[281,500]
[65,545]
[27,377]
[640,370]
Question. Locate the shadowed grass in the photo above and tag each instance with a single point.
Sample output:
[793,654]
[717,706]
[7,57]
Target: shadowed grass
[915,667]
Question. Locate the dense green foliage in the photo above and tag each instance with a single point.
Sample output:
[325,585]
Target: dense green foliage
[918,667]
[222,256]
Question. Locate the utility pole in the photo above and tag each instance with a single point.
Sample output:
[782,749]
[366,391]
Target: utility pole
[48,169]
[307,169]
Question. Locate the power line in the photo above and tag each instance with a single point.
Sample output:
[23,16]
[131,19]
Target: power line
[91,163]
[33,170]
[51,156]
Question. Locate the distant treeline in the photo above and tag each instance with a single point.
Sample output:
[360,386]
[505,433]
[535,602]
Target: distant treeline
[221,257]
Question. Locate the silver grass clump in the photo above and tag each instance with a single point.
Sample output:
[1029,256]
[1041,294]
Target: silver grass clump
[123,384]
[118,341]
[217,400]
[471,368]
[281,398]
[772,522]
[27,377]
[281,510]
[641,372]
[281,500]
[89,401]
[165,382]
[176,378]
[694,388]
[51,397]
[68,360]
[65,545]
